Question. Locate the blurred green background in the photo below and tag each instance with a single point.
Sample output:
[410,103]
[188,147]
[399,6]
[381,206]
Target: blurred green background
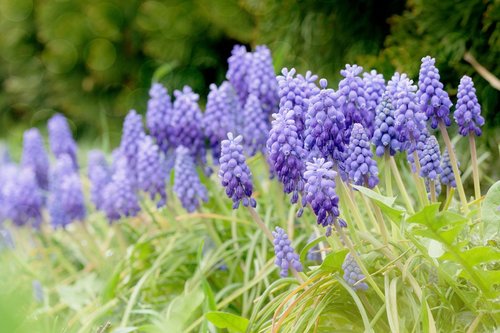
[93,60]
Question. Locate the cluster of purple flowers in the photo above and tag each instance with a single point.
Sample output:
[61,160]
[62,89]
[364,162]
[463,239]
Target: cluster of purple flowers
[285,255]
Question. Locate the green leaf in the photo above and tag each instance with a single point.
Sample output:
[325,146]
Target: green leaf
[478,255]
[386,204]
[227,320]
[490,212]
[333,261]
[305,250]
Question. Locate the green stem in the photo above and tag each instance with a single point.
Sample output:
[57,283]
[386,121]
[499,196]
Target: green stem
[422,192]
[454,166]
[401,186]
[432,186]
[475,168]
[261,224]
[388,180]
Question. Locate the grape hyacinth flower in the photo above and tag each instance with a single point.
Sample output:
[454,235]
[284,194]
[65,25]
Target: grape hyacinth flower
[374,89]
[286,153]
[446,176]
[150,172]
[133,132]
[385,137]
[434,100]
[158,115]
[256,129]
[325,124]
[220,115]
[22,199]
[319,192]
[120,199]
[431,159]
[99,176]
[394,87]
[352,98]
[234,173]
[353,274]
[35,157]
[238,68]
[285,254]
[187,122]
[60,138]
[468,110]
[187,184]
[360,166]
[262,80]
[418,147]
[66,201]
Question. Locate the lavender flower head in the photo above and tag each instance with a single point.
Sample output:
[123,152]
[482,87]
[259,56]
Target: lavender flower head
[22,199]
[120,199]
[285,254]
[158,115]
[325,124]
[66,201]
[431,159]
[352,98]
[234,173]
[418,146]
[385,137]
[374,88]
[468,110]
[220,115]
[319,191]
[353,274]
[256,129]
[150,171]
[262,80]
[187,120]
[133,132]
[238,68]
[35,157]
[447,177]
[433,99]
[99,176]
[187,185]
[360,166]
[60,138]
[286,153]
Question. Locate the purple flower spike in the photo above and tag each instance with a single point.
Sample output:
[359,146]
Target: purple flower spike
[133,132]
[262,80]
[360,166]
[319,191]
[239,63]
[353,274]
[220,115]
[150,172]
[374,88]
[285,254]
[447,177]
[4,154]
[99,176]
[22,199]
[352,98]
[35,157]
[286,153]
[419,146]
[187,185]
[234,172]
[468,110]
[385,136]
[256,127]
[158,115]
[433,99]
[431,159]
[120,199]
[187,122]
[66,201]
[60,138]
[325,124]
[410,121]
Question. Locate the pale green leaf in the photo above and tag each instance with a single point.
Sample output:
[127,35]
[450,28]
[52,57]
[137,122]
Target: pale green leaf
[227,320]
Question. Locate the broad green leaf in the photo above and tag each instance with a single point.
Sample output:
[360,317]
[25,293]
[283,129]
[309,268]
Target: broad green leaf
[227,320]
[490,212]
[386,204]
[478,255]
[333,261]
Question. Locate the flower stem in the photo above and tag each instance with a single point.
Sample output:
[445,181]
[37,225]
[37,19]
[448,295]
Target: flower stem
[388,181]
[454,166]
[261,224]
[422,192]
[475,168]
[401,186]
[432,186]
